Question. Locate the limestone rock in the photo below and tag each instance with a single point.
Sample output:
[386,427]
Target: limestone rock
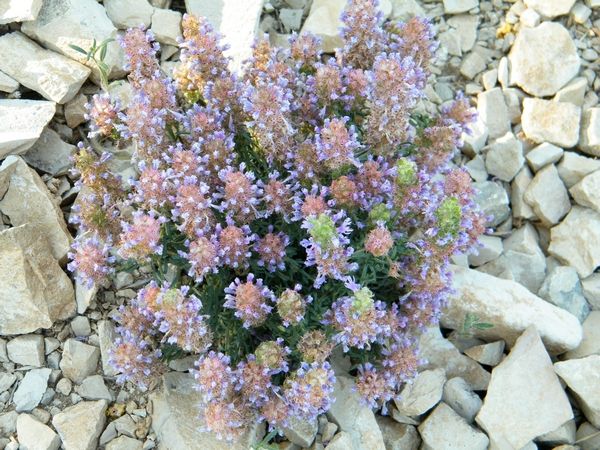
[50,154]
[422,394]
[510,308]
[446,430]
[565,434]
[574,167]
[106,335]
[474,142]
[398,436]
[542,155]
[583,377]
[512,413]
[591,291]
[341,441]
[520,209]
[34,291]
[489,354]
[129,13]
[79,360]
[34,435]
[354,418]
[54,76]
[19,10]
[580,249]
[461,398]
[21,124]
[8,84]
[166,26]
[62,23]
[588,436]
[27,350]
[27,188]
[504,158]
[551,8]
[31,389]
[492,108]
[574,92]
[547,195]
[80,426]
[438,352]
[301,432]
[590,344]
[587,191]
[124,443]
[406,9]
[543,59]
[93,388]
[563,289]
[488,249]
[459,6]
[236,20]
[590,132]
[175,418]
[493,202]
[554,122]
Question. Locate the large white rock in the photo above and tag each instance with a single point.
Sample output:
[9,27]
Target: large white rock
[589,141]
[459,6]
[79,360]
[551,8]
[34,435]
[8,84]
[422,394]
[461,398]
[27,350]
[505,158]
[510,308]
[492,108]
[548,121]
[543,59]
[587,191]
[34,291]
[405,9]
[19,10]
[576,240]
[31,389]
[80,426]
[583,377]
[62,23]
[520,209]
[21,124]
[590,344]
[166,26]
[236,20]
[444,429]
[542,155]
[50,154]
[524,398]
[547,195]
[55,76]
[25,187]
[573,167]
[129,13]
[175,418]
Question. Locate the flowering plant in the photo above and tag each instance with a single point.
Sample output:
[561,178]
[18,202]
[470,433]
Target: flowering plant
[299,209]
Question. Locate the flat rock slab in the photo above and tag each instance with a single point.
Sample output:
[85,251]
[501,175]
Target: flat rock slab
[551,8]
[21,124]
[54,76]
[19,10]
[583,377]
[80,426]
[511,309]
[35,435]
[548,121]
[34,291]
[525,398]
[543,59]
[31,389]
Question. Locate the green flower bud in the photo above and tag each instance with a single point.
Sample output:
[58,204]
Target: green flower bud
[269,354]
[380,213]
[323,230]
[363,300]
[406,172]
[448,217]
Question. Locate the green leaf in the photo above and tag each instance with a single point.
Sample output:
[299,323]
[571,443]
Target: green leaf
[103,51]
[483,325]
[78,49]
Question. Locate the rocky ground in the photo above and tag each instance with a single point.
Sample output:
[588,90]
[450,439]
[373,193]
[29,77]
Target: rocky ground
[531,381]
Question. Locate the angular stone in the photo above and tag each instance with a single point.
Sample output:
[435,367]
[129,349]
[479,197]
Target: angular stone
[8,84]
[50,154]
[487,249]
[590,344]
[80,426]
[236,20]
[574,92]
[27,350]
[107,335]
[504,158]
[124,443]
[473,64]
[175,418]
[93,388]
[21,124]
[79,360]
[493,202]
[520,209]
[444,429]
[474,142]
[587,191]
[512,413]
[422,394]
[34,291]
[543,59]
[563,289]
[542,155]
[438,352]
[548,197]
[62,23]
[301,432]
[406,9]
[398,436]
[166,26]
[588,436]
[355,419]
[341,441]
[565,434]
[510,308]
[492,108]
[27,188]
[489,354]
[459,6]
[548,121]
[76,110]
[461,398]
[576,241]
[591,291]
[589,141]
[466,27]
[34,435]
[551,8]
[583,377]
[19,10]
[54,76]
[574,167]
[129,13]
[31,389]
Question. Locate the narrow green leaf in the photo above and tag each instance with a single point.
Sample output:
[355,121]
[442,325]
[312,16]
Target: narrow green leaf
[78,49]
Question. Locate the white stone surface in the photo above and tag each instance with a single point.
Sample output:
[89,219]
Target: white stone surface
[489,354]
[50,154]
[574,92]
[492,108]
[590,132]
[563,289]
[554,122]
[543,59]
[27,350]
[31,389]
[547,195]
[79,360]
[504,158]
[422,394]
[21,124]
[459,6]
[19,10]
[461,398]
[398,436]
[583,377]
[34,435]
[79,426]
[587,191]
[580,249]
[444,429]
[524,398]
[8,84]
[405,9]
[551,8]
[487,249]
[166,26]
[591,290]
[53,75]
[129,13]
[573,167]
[520,209]
[590,344]
[542,155]
[511,309]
